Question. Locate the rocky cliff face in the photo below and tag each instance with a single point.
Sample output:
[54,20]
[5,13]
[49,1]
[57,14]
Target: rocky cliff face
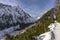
[12,15]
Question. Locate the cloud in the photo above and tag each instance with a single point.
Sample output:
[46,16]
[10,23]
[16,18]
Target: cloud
[9,2]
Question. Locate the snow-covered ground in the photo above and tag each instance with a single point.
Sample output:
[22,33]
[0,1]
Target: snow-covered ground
[45,36]
[57,31]
[53,34]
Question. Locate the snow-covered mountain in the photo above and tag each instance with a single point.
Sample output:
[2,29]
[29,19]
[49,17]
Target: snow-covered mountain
[11,15]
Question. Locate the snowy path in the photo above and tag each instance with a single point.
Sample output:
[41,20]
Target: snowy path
[57,31]
[55,27]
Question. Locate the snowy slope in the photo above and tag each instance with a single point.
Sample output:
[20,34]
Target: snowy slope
[53,34]
[56,30]
[45,36]
[11,15]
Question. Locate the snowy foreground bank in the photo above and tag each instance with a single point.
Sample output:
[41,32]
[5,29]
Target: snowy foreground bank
[53,34]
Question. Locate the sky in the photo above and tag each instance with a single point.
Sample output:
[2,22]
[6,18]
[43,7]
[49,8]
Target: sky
[36,8]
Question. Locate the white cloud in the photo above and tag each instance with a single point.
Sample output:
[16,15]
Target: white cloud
[9,2]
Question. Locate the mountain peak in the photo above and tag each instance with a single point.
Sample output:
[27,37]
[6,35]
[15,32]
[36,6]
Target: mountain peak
[11,15]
